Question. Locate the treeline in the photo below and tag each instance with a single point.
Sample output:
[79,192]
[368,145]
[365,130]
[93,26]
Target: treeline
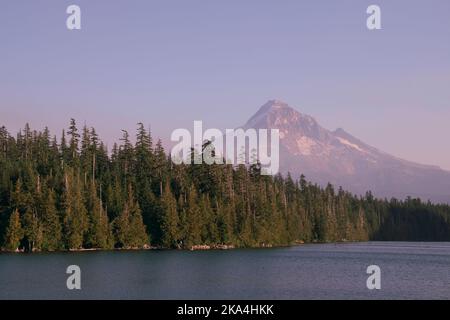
[71,193]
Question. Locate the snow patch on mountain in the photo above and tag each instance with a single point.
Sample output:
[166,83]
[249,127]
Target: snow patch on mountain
[305,145]
[351,145]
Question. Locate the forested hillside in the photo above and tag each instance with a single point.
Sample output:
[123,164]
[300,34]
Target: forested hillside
[72,193]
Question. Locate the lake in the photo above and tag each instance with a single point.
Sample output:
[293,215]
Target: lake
[315,271]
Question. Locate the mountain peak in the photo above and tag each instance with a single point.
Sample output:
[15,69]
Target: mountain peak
[270,109]
[273,105]
[276,114]
[277,103]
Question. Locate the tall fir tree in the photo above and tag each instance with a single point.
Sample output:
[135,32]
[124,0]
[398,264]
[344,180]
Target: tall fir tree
[51,224]
[129,229]
[14,232]
[99,234]
[170,220]
[75,219]
[193,220]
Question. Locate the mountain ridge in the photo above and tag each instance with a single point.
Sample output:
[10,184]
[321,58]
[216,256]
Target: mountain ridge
[338,157]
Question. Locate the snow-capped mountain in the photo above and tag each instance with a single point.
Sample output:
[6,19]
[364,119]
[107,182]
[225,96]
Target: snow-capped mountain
[339,158]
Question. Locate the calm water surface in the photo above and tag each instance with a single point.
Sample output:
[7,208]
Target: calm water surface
[319,271]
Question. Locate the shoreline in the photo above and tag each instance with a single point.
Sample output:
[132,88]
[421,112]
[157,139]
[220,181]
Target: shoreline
[216,247]
[203,247]
[219,247]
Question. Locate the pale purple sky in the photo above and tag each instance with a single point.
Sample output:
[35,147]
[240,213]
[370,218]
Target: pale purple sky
[167,63]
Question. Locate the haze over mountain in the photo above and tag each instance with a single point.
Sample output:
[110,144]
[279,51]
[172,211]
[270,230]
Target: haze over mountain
[339,158]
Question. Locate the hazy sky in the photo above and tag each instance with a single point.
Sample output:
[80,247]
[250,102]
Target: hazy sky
[167,63]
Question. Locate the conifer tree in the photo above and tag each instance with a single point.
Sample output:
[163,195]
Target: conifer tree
[138,234]
[32,231]
[170,220]
[74,140]
[160,166]
[75,220]
[209,231]
[14,232]
[193,221]
[99,234]
[126,156]
[51,225]
[121,228]
[129,228]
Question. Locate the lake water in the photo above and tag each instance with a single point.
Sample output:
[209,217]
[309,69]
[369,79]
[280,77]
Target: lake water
[317,271]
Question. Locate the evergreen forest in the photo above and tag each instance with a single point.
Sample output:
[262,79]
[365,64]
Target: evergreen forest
[71,193]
